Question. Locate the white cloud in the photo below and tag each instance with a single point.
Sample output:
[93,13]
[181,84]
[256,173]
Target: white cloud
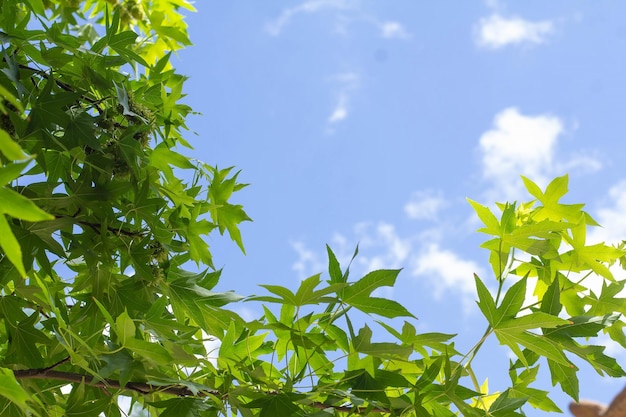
[612,217]
[518,144]
[424,205]
[448,273]
[393,30]
[496,31]
[347,83]
[312,6]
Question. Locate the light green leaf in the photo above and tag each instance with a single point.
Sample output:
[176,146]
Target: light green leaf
[10,148]
[487,217]
[551,301]
[125,328]
[151,351]
[12,390]
[20,207]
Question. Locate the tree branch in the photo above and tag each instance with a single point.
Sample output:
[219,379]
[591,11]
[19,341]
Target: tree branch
[144,388]
[140,387]
[349,409]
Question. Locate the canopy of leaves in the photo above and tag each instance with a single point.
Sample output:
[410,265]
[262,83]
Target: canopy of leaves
[107,282]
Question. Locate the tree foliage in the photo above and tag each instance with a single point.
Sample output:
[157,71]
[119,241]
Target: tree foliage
[107,282]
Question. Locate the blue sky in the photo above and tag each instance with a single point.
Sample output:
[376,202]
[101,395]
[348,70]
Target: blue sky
[371,122]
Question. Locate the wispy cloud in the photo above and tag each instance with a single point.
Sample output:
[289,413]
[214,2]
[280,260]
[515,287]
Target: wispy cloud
[275,27]
[382,246]
[345,86]
[496,31]
[424,205]
[309,262]
[344,12]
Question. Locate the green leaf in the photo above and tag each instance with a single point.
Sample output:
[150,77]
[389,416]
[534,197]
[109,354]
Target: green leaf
[565,376]
[20,207]
[585,326]
[514,337]
[334,269]
[227,216]
[551,301]
[552,209]
[12,390]
[277,405]
[25,338]
[532,321]
[504,404]
[362,343]
[49,108]
[182,407]
[151,351]
[286,296]
[125,328]
[486,303]
[11,246]
[487,217]
[10,148]
[306,289]
[513,300]
[162,157]
[535,397]
[380,306]
[371,281]
[81,127]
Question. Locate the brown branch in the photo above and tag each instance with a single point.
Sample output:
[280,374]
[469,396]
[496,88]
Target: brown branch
[54,365]
[118,231]
[140,387]
[96,227]
[144,388]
